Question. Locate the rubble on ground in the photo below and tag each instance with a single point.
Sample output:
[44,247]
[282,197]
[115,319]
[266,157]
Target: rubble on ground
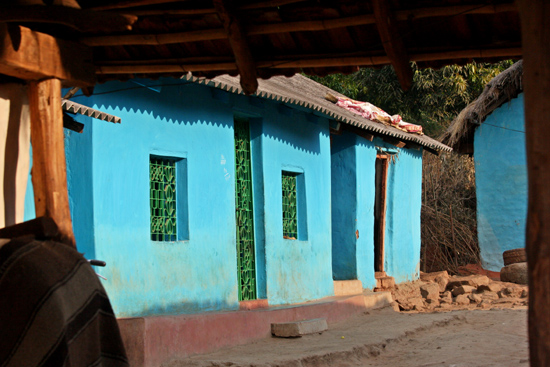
[440,292]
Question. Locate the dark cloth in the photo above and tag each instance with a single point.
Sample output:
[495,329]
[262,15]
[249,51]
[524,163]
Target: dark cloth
[53,309]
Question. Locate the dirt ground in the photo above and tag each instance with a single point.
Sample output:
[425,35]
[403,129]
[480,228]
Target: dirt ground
[385,338]
[455,321]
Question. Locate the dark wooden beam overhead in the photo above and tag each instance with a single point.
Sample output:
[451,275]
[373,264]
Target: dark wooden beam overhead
[241,49]
[30,55]
[392,42]
[81,20]
[308,61]
[131,4]
[273,28]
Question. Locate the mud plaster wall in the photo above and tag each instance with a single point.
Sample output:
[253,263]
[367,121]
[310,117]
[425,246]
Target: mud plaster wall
[108,174]
[501,182]
[353,194]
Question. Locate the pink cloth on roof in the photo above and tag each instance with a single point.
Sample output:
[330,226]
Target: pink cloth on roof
[373,113]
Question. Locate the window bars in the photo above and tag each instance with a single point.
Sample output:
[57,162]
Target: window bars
[162,173]
[290,213]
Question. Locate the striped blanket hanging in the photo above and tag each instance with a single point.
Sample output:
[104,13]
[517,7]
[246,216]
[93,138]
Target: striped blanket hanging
[53,309]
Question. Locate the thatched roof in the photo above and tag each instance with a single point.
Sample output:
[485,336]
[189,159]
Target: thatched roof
[306,93]
[501,89]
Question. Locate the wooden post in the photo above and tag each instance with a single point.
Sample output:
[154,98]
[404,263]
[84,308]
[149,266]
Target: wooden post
[239,44]
[49,176]
[393,42]
[535,33]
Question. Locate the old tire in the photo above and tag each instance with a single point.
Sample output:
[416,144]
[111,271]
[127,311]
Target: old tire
[514,273]
[514,256]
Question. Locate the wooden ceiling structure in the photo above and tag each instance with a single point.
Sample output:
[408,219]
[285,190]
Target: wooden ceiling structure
[50,43]
[259,39]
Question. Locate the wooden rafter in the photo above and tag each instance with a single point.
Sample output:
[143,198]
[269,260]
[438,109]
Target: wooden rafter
[132,3]
[30,55]
[309,61]
[241,49]
[81,20]
[392,42]
[318,25]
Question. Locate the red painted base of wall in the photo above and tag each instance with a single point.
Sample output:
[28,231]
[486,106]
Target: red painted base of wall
[150,341]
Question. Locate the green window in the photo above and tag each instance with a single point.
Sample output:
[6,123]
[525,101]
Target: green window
[290,208]
[162,178]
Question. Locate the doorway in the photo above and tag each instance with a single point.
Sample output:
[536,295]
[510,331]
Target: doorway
[381,178]
[244,213]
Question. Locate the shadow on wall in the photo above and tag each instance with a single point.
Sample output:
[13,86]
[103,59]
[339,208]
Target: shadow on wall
[173,101]
[188,103]
[305,136]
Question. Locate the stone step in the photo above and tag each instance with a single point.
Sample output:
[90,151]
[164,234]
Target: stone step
[298,328]
[347,287]
[375,300]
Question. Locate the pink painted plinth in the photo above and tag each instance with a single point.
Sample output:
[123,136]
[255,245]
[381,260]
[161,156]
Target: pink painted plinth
[150,341]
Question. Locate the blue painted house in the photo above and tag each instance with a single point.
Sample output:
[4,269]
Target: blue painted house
[204,198]
[492,129]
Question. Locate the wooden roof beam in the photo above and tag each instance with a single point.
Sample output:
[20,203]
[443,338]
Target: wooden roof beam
[241,49]
[81,20]
[273,28]
[133,3]
[217,64]
[392,42]
[30,55]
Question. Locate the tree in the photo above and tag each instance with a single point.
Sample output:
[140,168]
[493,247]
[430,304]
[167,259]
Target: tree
[435,98]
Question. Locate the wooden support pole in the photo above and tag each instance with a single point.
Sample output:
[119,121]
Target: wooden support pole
[49,176]
[239,44]
[535,34]
[393,42]
[31,55]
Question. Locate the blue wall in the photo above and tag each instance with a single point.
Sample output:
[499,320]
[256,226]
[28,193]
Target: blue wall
[501,182]
[109,195]
[344,206]
[404,202]
[353,196]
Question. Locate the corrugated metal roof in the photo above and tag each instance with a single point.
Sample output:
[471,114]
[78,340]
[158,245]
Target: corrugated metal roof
[304,92]
[74,107]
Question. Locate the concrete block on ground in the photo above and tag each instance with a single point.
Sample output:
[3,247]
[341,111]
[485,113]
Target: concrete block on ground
[298,328]
[347,287]
[378,299]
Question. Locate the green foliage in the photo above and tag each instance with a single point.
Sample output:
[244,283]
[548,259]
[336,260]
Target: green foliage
[435,98]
